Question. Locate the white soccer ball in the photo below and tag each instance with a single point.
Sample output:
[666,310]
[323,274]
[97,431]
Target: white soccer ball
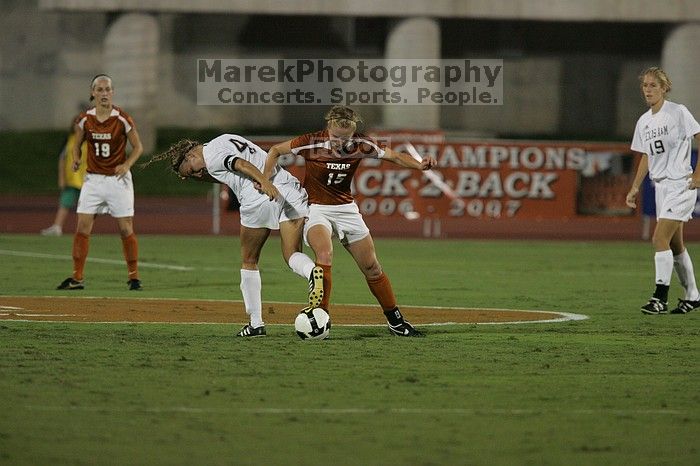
[314,324]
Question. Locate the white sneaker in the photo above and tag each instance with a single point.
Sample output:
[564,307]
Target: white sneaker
[53,230]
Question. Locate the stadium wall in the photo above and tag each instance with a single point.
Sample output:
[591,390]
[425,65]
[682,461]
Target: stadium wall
[562,79]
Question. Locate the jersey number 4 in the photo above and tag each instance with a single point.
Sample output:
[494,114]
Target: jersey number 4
[657,148]
[102,150]
[241,145]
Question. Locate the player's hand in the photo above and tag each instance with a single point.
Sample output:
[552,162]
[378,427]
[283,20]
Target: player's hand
[267,188]
[427,163]
[122,169]
[631,199]
[693,183]
[76,165]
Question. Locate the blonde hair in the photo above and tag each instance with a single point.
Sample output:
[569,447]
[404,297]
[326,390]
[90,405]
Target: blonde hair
[658,74]
[175,154]
[343,117]
[98,78]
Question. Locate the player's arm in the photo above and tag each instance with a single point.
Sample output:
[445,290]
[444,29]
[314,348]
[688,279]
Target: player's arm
[77,143]
[262,183]
[273,154]
[405,160]
[62,166]
[642,170]
[136,151]
[695,179]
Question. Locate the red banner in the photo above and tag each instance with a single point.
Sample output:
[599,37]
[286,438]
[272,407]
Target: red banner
[492,180]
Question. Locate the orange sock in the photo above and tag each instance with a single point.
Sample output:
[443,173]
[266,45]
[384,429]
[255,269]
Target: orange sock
[131,254]
[81,244]
[327,282]
[381,289]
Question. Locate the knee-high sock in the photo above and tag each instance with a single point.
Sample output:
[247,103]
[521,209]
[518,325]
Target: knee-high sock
[327,283]
[130,246]
[381,289]
[301,264]
[664,267]
[251,288]
[81,244]
[684,268]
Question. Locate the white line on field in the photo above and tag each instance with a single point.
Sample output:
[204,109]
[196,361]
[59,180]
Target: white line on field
[364,411]
[563,316]
[152,265]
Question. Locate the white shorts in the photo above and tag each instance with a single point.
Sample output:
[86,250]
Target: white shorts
[261,212]
[107,194]
[674,201]
[345,221]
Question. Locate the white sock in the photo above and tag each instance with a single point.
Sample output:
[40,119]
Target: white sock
[684,268]
[251,287]
[301,264]
[664,267]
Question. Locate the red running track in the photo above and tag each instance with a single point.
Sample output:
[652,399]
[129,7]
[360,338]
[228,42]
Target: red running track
[156,215]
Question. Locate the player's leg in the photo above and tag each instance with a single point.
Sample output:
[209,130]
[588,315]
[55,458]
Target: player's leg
[130,248]
[300,263]
[663,264]
[90,202]
[674,204]
[252,242]
[364,253]
[319,237]
[683,266]
[81,245]
[68,199]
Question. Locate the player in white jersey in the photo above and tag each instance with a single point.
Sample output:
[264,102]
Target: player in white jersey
[279,203]
[664,136]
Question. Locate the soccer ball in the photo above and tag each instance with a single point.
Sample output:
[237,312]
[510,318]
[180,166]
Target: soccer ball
[313,324]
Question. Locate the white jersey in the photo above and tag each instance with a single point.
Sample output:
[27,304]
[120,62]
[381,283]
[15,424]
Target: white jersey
[666,137]
[220,155]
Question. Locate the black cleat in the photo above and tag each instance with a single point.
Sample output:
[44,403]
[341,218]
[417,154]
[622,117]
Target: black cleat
[134,284]
[404,329]
[248,331]
[654,307]
[71,284]
[685,306]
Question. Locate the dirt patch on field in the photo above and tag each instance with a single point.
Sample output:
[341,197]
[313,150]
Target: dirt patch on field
[77,309]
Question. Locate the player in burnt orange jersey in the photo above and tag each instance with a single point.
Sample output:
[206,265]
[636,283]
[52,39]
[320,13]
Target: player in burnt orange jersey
[332,157]
[108,187]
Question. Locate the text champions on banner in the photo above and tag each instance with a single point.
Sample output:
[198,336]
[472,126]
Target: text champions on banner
[349,82]
[494,180]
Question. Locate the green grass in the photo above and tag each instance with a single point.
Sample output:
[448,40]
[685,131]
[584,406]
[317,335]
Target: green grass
[616,388]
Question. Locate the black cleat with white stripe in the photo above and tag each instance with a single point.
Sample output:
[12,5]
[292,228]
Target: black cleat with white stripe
[250,331]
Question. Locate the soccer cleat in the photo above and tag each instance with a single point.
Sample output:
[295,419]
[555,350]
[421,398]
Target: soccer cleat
[134,284]
[71,284]
[404,329]
[685,306]
[316,287]
[249,331]
[654,307]
[53,230]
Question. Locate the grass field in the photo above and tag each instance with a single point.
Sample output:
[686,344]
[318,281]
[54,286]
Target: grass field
[618,388]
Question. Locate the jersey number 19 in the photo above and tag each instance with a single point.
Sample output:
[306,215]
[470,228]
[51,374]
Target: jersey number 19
[102,150]
[657,148]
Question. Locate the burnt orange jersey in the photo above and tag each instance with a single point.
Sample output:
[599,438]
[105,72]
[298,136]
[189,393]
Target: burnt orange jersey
[328,174]
[106,140]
